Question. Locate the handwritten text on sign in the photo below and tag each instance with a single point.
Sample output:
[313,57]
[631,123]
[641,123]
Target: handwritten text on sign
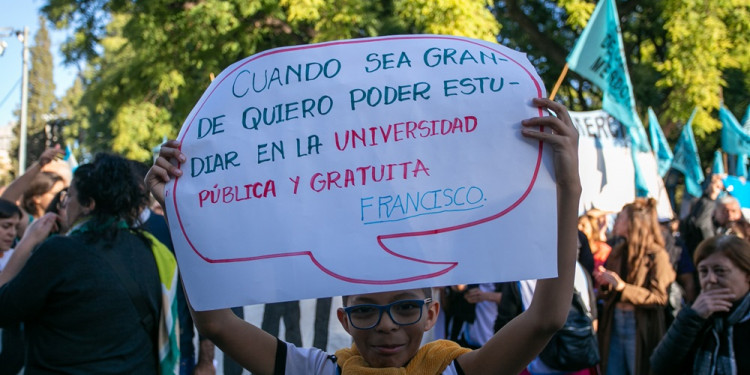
[361,166]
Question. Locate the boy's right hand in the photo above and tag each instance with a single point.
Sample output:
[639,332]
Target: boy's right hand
[164,169]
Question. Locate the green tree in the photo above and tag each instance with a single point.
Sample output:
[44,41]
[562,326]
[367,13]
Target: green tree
[681,54]
[150,60]
[41,95]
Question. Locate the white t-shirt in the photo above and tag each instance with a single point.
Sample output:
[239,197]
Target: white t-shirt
[483,327]
[313,361]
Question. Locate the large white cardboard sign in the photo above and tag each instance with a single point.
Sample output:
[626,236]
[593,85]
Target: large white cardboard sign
[606,165]
[361,166]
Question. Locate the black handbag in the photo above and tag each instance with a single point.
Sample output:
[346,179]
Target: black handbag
[574,347]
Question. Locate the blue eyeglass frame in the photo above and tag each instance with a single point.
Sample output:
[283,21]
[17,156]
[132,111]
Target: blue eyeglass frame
[383,308]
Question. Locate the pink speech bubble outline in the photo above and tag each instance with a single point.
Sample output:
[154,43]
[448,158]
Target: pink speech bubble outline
[380,238]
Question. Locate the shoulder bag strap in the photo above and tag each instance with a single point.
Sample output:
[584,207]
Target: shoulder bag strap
[136,297]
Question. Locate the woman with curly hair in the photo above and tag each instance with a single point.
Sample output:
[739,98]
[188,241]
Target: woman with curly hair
[93,301]
[633,284]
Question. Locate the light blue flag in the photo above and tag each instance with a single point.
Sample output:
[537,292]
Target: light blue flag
[718,165]
[741,167]
[599,56]
[70,159]
[734,139]
[659,144]
[637,136]
[686,159]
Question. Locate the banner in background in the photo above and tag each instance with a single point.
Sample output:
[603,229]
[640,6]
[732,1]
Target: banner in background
[606,165]
[599,56]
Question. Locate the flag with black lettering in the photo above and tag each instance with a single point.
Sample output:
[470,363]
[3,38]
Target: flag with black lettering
[659,144]
[686,159]
[599,56]
[606,165]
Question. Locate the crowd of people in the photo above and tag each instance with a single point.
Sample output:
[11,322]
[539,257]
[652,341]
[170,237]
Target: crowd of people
[88,284]
[666,297]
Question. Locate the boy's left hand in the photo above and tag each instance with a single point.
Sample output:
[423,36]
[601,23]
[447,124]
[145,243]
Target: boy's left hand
[563,139]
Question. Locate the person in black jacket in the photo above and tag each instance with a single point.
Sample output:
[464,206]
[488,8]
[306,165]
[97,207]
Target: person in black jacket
[78,313]
[713,335]
[699,224]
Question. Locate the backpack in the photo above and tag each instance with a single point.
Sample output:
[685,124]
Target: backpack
[574,347]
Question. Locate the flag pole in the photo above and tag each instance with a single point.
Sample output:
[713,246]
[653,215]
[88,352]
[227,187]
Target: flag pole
[559,82]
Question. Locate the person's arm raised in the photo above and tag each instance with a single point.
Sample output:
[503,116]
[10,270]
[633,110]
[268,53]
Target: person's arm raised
[247,344]
[521,340]
[37,232]
[253,348]
[15,190]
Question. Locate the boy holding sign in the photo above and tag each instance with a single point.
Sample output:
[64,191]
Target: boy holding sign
[387,327]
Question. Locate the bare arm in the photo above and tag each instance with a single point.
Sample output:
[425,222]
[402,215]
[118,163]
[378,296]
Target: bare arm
[247,344]
[15,190]
[253,348]
[521,340]
[35,234]
[205,365]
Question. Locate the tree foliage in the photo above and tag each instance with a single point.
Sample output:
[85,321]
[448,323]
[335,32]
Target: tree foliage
[41,95]
[149,61]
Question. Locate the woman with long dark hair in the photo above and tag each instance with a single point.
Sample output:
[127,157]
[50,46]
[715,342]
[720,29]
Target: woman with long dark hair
[633,284]
[93,301]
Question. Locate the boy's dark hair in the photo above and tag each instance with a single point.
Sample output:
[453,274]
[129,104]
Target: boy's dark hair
[427,294]
[8,209]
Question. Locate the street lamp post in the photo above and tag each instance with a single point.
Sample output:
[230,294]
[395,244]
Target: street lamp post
[23,36]
[24,103]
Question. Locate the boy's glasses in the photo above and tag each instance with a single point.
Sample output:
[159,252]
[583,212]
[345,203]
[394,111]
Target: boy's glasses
[403,313]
